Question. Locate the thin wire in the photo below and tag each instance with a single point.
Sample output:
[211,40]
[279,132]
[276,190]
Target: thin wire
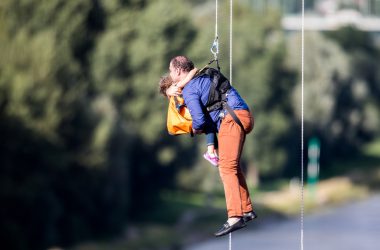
[302,118]
[230,245]
[231,6]
[216,18]
[215,45]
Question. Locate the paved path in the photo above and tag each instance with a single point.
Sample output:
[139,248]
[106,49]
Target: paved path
[351,227]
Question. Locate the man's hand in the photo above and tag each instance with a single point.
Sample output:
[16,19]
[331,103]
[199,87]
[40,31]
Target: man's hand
[173,91]
[197,131]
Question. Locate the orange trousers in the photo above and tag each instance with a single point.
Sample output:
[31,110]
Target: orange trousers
[231,141]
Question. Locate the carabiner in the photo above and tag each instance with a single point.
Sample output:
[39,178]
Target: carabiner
[215,48]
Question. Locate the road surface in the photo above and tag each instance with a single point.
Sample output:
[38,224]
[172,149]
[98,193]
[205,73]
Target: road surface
[351,227]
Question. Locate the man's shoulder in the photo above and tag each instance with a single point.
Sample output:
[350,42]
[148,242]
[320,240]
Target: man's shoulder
[200,79]
[197,85]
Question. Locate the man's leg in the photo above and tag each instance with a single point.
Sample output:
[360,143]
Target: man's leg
[231,140]
[247,121]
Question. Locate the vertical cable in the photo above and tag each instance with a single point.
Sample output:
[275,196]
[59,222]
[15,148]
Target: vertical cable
[230,244]
[216,18]
[231,6]
[215,45]
[302,118]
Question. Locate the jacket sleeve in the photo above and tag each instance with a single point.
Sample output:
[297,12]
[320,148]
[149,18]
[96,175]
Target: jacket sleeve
[193,102]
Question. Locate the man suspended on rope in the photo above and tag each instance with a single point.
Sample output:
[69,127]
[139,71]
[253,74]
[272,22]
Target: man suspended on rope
[233,121]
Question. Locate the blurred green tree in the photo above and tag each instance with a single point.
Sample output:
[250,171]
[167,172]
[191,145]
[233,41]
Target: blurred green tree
[52,166]
[128,59]
[340,94]
[82,125]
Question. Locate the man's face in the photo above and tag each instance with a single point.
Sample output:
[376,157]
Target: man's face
[174,73]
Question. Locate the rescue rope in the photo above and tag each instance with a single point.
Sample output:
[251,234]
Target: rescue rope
[231,5]
[230,244]
[302,122]
[215,45]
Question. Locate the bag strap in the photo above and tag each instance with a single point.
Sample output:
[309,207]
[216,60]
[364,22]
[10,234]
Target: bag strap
[178,106]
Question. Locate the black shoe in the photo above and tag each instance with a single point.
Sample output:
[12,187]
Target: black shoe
[227,228]
[249,216]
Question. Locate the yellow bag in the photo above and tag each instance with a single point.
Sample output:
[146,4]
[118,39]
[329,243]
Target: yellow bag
[179,120]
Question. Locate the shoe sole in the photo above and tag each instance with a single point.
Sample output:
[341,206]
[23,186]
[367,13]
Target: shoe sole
[233,230]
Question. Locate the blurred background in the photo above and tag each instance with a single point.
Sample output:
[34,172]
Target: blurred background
[86,162]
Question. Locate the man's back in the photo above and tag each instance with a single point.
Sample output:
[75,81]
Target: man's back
[196,94]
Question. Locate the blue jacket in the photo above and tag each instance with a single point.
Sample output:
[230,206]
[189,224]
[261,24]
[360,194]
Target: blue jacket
[195,94]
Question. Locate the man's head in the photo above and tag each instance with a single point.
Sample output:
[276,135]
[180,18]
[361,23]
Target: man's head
[179,67]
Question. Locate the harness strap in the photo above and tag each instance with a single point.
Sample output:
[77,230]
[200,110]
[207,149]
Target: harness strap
[234,116]
[207,65]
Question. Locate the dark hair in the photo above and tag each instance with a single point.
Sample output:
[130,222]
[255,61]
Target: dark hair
[165,82]
[183,63]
